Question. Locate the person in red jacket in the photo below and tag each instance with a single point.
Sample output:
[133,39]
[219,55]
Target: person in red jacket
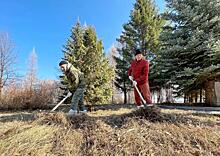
[138,73]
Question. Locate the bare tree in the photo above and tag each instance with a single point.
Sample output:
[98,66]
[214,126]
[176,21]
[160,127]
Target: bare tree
[7,60]
[111,54]
[31,77]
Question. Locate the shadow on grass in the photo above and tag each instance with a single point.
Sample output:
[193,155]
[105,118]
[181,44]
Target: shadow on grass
[18,117]
[153,115]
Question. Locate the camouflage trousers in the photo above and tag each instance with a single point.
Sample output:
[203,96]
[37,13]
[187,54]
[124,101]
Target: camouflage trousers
[77,99]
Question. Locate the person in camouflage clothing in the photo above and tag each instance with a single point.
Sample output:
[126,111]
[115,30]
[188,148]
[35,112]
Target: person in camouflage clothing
[76,85]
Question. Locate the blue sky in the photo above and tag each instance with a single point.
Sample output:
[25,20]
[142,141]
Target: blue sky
[46,24]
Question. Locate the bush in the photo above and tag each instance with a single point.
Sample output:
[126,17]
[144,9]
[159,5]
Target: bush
[22,96]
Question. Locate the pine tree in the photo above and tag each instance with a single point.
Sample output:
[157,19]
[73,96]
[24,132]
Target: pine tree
[97,69]
[141,31]
[85,51]
[122,64]
[189,54]
[72,50]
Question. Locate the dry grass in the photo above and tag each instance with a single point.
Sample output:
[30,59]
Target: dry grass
[24,97]
[119,132]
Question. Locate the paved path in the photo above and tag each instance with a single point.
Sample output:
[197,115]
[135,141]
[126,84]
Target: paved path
[203,110]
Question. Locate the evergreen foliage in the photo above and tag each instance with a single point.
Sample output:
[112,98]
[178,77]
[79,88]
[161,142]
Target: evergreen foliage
[190,51]
[85,51]
[141,31]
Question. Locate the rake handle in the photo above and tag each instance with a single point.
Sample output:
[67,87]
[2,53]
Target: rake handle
[139,93]
[59,103]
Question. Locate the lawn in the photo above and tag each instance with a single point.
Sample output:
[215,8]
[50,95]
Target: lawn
[122,131]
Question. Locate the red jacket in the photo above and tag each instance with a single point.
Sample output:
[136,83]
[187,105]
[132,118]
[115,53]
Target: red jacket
[139,71]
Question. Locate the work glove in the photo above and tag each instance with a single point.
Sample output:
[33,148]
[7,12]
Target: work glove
[69,94]
[134,83]
[131,78]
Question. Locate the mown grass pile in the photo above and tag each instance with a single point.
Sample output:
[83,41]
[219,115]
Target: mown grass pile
[119,132]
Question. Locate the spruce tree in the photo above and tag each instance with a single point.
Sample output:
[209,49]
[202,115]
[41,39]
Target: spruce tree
[190,42]
[85,51]
[97,69]
[141,31]
[72,50]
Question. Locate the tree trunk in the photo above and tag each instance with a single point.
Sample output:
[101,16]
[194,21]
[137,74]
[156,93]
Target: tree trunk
[196,97]
[158,95]
[1,83]
[184,97]
[113,92]
[190,98]
[210,97]
[1,88]
[129,96]
[187,97]
[166,95]
[0,93]
[200,96]
[125,94]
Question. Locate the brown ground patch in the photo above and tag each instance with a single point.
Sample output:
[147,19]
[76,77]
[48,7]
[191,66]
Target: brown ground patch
[119,132]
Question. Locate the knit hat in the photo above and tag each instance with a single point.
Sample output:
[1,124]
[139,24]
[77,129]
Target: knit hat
[63,62]
[137,51]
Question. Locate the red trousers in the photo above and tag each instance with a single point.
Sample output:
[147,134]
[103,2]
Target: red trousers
[145,91]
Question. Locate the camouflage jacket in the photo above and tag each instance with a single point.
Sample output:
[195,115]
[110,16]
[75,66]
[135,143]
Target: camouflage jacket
[75,78]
